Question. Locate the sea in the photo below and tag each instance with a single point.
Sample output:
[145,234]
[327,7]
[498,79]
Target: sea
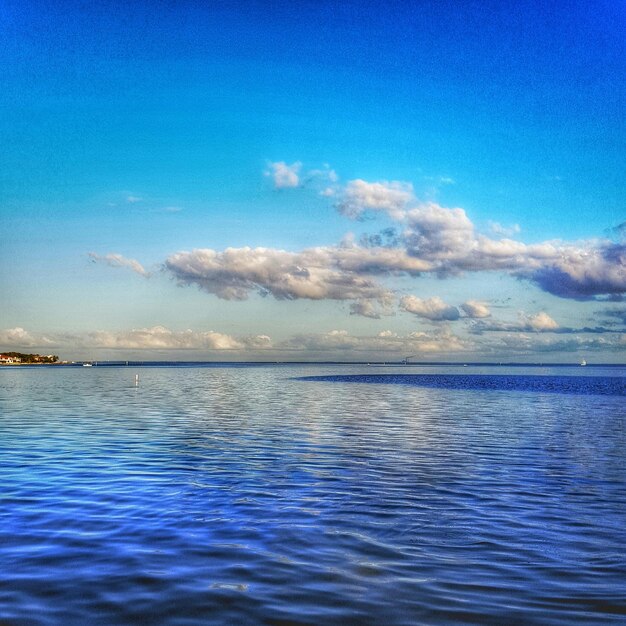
[312,494]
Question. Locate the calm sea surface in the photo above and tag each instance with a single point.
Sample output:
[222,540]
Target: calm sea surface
[247,495]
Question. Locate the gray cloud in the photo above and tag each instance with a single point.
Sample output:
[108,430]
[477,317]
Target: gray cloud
[583,273]
[614,316]
[372,309]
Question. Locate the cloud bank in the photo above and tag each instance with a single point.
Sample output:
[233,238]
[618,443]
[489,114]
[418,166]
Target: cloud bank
[424,238]
[156,337]
[429,239]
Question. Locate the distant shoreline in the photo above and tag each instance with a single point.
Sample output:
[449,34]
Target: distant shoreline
[373,364]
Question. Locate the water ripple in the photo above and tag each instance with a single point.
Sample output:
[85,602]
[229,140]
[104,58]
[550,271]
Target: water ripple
[234,496]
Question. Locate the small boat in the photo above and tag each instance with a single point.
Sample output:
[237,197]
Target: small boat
[87,364]
[583,363]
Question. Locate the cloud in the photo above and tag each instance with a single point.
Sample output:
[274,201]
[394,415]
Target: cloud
[372,309]
[132,199]
[619,232]
[425,238]
[434,309]
[324,273]
[160,337]
[117,260]
[283,175]
[439,342]
[475,309]
[19,338]
[507,231]
[583,273]
[360,197]
[154,338]
[539,343]
[539,322]
[386,238]
[615,316]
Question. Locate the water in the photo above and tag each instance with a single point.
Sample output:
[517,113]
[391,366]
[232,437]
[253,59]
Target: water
[246,496]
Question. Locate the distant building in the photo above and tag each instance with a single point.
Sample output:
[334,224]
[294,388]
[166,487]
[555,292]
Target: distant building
[5,358]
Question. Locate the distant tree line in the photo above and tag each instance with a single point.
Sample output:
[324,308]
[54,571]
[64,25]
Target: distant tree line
[32,358]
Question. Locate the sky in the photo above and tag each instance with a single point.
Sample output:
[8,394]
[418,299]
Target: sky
[313,180]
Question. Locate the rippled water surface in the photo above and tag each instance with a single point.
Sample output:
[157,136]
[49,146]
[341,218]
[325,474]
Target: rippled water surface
[245,495]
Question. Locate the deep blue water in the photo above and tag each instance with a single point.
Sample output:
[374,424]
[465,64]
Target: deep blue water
[248,495]
[585,385]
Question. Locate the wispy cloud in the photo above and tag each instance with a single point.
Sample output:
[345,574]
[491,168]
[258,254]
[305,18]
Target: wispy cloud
[537,323]
[117,260]
[442,341]
[505,231]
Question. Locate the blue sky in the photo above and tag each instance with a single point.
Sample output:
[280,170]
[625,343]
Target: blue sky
[488,138]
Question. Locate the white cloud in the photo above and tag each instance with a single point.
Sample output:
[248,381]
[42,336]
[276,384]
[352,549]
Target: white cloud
[284,175]
[132,199]
[391,198]
[475,309]
[117,260]
[332,273]
[427,238]
[541,322]
[434,309]
[18,337]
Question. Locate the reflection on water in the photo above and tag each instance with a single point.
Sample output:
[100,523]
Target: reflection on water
[226,495]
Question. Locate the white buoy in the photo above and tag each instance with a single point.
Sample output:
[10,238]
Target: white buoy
[136,380]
